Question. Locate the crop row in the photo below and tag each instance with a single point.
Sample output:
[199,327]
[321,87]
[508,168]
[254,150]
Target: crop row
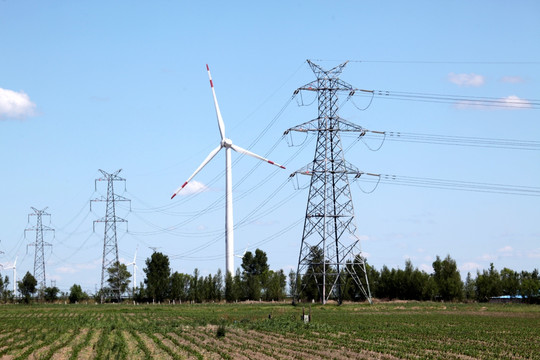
[266,331]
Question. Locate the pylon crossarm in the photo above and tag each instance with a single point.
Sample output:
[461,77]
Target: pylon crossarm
[305,127]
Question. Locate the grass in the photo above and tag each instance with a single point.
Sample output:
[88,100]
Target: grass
[409,330]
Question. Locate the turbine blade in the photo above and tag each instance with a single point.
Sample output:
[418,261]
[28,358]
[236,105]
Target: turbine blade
[246,152]
[218,113]
[208,158]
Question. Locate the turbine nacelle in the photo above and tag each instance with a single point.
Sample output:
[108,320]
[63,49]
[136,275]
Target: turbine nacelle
[226,143]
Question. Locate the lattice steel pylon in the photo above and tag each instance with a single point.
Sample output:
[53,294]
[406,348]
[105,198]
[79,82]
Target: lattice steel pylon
[330,251]
[110,241]
[39,255]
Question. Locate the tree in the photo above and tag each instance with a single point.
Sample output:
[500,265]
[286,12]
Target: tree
[27,286]
[157,272]
[51,293]
[276,283]
[119,278]
[447,279]
[469,286]
[218,279]
[530,286]
[195,287]
[76,294]
[255,273]
[4,292]
[312,281]
[180,286]
[488,284]
[292,283]
[509,282]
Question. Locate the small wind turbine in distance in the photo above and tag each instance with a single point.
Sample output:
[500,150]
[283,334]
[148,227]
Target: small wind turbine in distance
[228,145]
[241,256]
[14,267]
[134,263]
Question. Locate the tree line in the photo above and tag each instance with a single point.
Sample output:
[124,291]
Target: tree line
[445,283]
[255,281]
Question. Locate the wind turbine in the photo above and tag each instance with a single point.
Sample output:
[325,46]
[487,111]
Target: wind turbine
[226,144]
[134,263]
[244,253]
[14,267]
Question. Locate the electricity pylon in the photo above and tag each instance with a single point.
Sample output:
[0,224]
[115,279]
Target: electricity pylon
[110,242]
[39,255]
[330,251]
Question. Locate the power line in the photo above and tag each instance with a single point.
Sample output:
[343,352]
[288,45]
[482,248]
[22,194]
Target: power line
[471,141]
[435,62]
[511,102]
[433,183]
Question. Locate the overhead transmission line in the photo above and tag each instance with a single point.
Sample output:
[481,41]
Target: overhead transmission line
[462,62]
[460,100]
[411,137]
[448,184]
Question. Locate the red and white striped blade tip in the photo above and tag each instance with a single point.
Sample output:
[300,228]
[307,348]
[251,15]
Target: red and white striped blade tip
[177,191]
[273,163]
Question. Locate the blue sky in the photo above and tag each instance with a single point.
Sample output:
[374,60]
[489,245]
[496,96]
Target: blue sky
[109,85]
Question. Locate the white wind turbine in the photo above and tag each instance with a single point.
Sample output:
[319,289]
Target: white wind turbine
[134,263]
[228,145]
[14,267]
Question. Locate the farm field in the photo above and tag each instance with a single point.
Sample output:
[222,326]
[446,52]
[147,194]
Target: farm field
[392,330]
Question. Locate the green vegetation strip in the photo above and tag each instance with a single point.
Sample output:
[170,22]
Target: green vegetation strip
[404,330]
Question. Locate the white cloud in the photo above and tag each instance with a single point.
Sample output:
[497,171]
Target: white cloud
[363,237]
[466,79]
[512,79]
[15,105]
[193,187]
[534,254]
[509,102]
[469,266]
[425,267]
[515,102]
[78,267]
[507,249]
[488,257]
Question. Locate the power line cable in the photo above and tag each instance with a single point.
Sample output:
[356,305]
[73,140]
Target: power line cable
[470,141]
[452,184]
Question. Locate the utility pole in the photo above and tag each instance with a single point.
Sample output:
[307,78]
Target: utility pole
[330,250]
[110,242]
[39,255]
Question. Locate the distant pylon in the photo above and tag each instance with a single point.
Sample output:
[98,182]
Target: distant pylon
[39,255]
[110,242]
[330,250]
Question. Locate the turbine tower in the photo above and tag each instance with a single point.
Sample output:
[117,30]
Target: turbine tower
[39,255]
[14,267]
[110,242]
[330,250]
[226,144]
[134,263]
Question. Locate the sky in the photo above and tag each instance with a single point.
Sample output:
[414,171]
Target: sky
[92,85]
